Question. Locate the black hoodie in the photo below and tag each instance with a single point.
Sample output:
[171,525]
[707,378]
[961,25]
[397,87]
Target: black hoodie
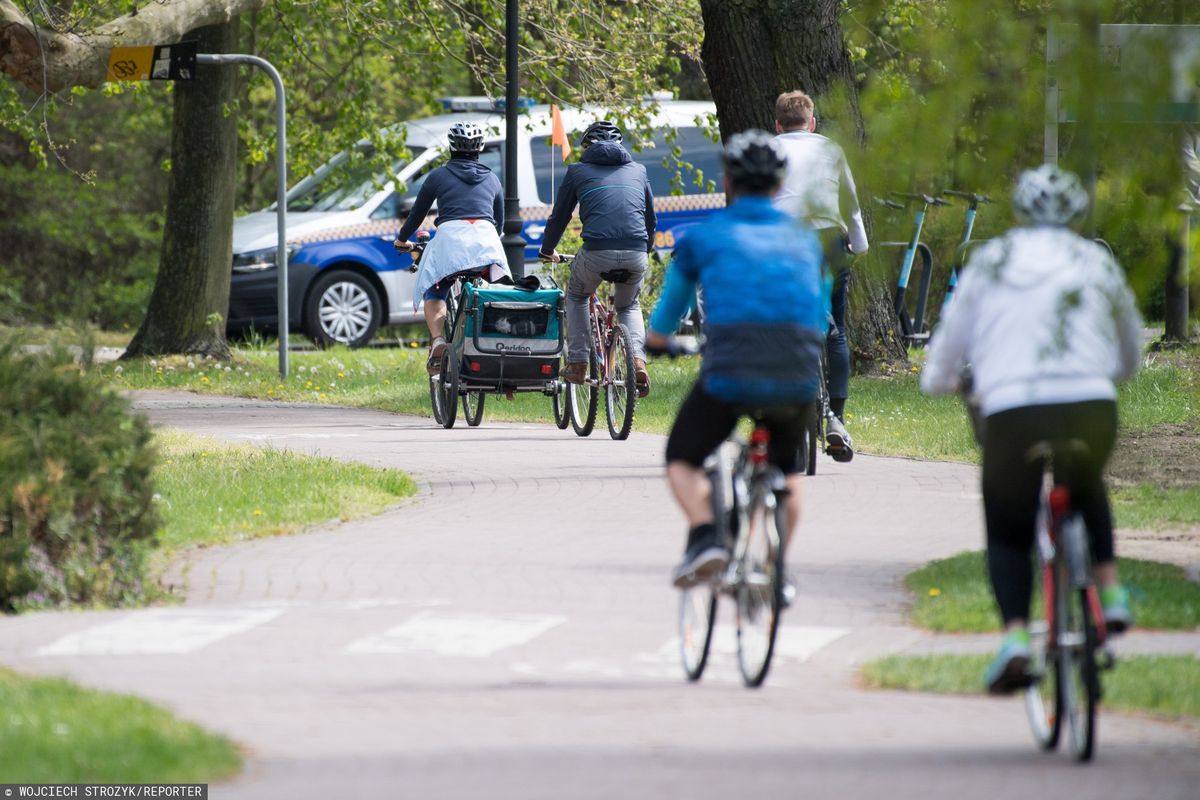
[615,202]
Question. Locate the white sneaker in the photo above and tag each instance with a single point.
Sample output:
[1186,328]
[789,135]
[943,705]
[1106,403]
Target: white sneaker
[837,441]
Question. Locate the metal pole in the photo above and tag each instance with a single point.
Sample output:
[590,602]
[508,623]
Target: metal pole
[514,245]
[281,256]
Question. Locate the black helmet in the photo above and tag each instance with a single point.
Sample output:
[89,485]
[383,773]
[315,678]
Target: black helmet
[754,161]
[465,137]
[600,131]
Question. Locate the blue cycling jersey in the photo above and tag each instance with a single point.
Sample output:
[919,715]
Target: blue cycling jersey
[765,300]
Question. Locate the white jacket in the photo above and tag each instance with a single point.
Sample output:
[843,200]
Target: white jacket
[818,186]
[1043,316]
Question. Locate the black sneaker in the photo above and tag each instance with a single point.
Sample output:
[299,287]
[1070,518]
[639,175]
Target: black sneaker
[703,557]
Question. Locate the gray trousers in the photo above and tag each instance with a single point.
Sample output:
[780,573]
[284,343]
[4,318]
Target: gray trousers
[585,278]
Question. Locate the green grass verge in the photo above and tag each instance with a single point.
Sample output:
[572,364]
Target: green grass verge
[1167,685]
[212,493]
[953,595]
[65,335]
[1148,506]
[54,732]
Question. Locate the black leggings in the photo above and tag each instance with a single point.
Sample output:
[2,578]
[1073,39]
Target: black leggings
[1012,485]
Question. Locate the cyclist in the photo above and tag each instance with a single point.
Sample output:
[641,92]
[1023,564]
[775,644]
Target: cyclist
[764,329]
[819,189]
[617,210]
[1048,325]
[470,217]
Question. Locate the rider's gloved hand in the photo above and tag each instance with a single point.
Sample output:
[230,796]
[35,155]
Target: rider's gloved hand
[552,258]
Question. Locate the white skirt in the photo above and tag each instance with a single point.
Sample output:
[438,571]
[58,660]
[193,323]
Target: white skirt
[459,245]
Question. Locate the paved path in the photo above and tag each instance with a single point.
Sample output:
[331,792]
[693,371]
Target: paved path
[510,635]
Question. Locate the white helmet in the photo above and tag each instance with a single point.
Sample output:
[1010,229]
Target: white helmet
[1049,196]
[465,137]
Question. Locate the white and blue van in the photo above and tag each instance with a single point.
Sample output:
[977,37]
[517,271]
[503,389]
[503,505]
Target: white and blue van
[346,279]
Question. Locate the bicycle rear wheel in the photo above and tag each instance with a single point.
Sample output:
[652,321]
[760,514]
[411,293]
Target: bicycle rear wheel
[620,391]
[759,586]
[812,440]
[472,403]
[584,399]
[435,396]
[449,389]
[1079,676]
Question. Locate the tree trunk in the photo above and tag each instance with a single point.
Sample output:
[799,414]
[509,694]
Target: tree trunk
[191,294]
[753,51]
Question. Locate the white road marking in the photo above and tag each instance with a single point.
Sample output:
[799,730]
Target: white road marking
[793,642]
[160,630]
[471,635]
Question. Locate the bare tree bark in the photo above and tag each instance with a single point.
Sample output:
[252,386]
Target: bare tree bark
[753,51]
[191,293]
[46,60]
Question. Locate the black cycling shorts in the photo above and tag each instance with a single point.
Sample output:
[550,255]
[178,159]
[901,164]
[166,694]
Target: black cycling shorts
[704,422]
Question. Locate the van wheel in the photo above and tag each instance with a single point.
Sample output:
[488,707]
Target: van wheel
[342,308]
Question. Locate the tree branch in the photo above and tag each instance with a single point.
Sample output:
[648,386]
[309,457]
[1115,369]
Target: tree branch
[81,59]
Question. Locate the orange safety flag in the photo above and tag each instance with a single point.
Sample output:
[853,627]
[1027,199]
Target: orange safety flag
[558,134]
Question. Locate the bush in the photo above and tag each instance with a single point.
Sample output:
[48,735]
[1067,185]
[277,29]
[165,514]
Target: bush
[76,501]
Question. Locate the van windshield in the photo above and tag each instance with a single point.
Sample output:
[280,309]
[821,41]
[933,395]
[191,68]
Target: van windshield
[336,187]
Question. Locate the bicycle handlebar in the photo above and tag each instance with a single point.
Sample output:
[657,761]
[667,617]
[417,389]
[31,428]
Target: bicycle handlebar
[927,199]
[974,197]
[419,246]
[883,201]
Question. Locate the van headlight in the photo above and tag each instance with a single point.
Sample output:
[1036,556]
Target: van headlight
[259,260]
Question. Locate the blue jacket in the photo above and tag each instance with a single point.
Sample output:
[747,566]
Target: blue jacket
[615,202]
[765,303]
[463,189]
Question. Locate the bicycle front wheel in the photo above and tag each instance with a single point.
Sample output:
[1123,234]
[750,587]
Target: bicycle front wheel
[435,395]
[1078,676]
[697,618]
[584,400]
[562,406]
[449,389]
[620,390]
[759,584]
[1043,698]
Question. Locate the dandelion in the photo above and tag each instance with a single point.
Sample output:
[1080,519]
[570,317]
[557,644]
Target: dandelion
[191,364]
[321,395]
[308,384]
[934,591]
[387,382]
[204,379]
[340,374]
[153,363]
[302,369]
[227,369]
[258,512]
[119,369]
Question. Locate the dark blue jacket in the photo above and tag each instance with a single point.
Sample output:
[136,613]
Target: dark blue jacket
[615,202]
[463,189]
[765,303]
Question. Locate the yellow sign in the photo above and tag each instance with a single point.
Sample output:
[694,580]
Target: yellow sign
[130,63]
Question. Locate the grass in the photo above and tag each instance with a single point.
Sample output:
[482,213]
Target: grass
[65,335]
[953,595]
[1150,506]
[212,493]
[54,732]
[1166,685]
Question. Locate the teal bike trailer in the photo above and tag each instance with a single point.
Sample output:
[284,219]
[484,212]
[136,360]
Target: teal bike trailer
[511,339]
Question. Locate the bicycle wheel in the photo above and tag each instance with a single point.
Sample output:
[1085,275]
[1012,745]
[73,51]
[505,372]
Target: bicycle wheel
[584,399]
[435,395]
[697,618]
[449,389]
[1043,698]
[1079,677]
[811,442]
[620,391]
[759,585]
[562,406]
[472,403]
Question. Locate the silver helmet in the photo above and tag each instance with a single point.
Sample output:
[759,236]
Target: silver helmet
[1048,195]
[465,137]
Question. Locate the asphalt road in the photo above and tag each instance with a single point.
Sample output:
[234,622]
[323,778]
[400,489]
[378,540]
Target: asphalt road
[511,634]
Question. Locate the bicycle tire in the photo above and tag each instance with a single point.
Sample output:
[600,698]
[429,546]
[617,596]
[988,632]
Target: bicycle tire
[1043,698]
[561,405]
[811,443]
[584,400]
[620,387]
[1077,651]
[759,587]
[435,396]
[472,403]
[449,389]
[697,619]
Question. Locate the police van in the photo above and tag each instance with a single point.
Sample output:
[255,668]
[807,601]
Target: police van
[346,280]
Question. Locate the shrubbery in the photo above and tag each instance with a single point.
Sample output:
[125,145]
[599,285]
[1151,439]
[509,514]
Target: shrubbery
[76,501]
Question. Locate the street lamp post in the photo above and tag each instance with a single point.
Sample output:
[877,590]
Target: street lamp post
[514,245]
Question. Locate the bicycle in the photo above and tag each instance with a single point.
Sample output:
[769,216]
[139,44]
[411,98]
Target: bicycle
[748,509]
[1069,645]
[610,367]
[815,428]
[912,327]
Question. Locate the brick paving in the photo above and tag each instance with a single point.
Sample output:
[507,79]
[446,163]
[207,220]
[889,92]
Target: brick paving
[508,634]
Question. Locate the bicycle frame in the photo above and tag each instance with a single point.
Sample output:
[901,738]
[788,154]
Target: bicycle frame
[601,316]
[1053,548]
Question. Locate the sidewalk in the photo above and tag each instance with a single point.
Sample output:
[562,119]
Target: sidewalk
[511,634]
